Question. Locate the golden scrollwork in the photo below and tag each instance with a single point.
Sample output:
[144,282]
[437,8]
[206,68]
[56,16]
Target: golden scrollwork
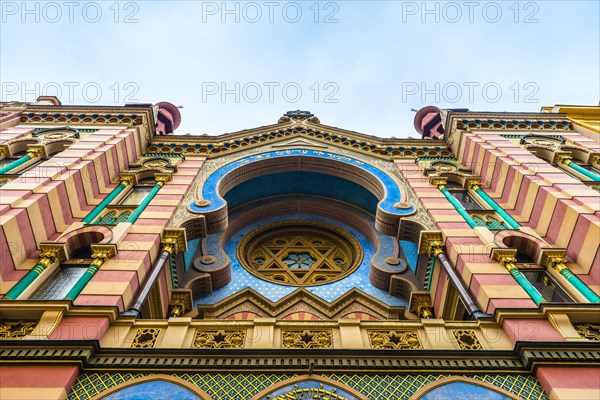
[307,339]
[467,340]
[145,337]
[156,163]
[16,329]
[300,253]
[405,339]
[588,331]
[220,339]
[310,393]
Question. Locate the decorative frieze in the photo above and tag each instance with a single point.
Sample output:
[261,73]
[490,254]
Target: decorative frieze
[394,339]
[16,329]
[588,331]
[466,339]
[307,339]
[145,337]
[220,339]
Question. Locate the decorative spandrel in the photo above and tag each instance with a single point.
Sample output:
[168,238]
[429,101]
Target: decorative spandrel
[300,253]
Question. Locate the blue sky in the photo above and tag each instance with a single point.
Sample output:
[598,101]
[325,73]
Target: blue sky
[359,65]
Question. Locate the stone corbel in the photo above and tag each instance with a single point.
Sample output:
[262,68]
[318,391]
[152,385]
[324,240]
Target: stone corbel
[174,240]
[421,304]
[429,240]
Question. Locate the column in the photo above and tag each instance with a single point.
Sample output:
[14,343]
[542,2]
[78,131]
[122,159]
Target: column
[556,259]
[474,185]
[506,257]
[160,181]
[100,255]
[50,254]
[32,152]
[124,182]
[567,160]
[441,184]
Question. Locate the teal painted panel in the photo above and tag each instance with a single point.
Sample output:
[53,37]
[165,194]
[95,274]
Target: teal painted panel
[411,251]
[188,256]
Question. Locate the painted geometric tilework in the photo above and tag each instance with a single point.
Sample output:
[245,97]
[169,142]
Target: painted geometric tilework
[373,386]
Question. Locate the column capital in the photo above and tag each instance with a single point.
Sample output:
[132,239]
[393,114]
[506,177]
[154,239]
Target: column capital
[562,157]
[435,247]
[594,158]
[473,183]
[430,241]
[161,179]
[127,179]
[506,257]
[102,252]
[51,253]
[438,181]
[174,240]
[553,258]
[36,150]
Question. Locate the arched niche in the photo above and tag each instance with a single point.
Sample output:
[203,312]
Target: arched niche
[154,387]
[85,236]
[392,198]
[526,245]
[458,387]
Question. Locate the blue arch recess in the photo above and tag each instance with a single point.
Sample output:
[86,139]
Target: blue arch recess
[209,190]
[462,390]
[157,389]
[301,182]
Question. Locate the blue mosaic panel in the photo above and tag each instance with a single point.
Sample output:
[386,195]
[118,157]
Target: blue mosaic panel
[463,391]
[209,189]
[153,390]
[359,279]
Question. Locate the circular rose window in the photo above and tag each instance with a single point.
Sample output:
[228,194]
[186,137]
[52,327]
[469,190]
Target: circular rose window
[300,253]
